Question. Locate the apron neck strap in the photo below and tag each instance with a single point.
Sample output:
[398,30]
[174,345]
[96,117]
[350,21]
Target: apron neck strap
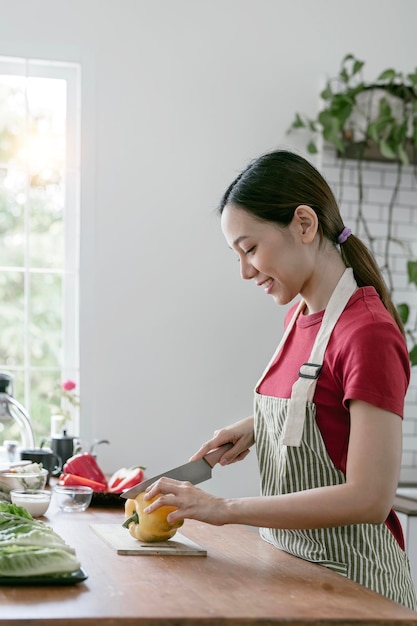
[305,386]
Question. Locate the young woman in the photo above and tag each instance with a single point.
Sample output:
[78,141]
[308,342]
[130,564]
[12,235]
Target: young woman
[327,424]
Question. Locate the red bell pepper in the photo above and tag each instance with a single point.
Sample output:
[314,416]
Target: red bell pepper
[84,464]
[69,480]
[125,478]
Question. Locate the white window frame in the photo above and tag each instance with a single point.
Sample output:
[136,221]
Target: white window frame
[71,73]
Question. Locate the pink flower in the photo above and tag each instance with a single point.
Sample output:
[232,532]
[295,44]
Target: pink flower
[68,385]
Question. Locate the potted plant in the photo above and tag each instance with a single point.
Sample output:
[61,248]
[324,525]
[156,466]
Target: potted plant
[370,121]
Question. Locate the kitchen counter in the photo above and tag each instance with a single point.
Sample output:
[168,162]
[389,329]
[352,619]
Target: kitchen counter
[404,503]
[241,581]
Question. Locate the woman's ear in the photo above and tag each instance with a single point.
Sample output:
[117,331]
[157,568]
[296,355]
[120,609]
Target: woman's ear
[306,221]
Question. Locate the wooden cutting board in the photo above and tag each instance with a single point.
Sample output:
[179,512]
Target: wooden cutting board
[120,540]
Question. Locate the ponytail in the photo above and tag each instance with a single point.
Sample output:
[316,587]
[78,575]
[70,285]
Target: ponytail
[366,272]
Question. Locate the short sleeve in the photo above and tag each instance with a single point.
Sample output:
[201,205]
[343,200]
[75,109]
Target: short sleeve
[375,367]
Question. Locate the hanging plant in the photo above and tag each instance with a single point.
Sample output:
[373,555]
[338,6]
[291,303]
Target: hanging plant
[370,121]
[359,117]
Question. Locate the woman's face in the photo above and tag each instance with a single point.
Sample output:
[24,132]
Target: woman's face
[276,258]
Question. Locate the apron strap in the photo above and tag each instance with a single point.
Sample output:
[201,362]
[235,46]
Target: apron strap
[289,328]
[305,386]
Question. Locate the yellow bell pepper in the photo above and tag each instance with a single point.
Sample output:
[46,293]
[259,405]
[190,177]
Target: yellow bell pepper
[149,527]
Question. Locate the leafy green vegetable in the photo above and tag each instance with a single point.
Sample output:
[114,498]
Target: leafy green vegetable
[36,561]
[29,547]
[6,507]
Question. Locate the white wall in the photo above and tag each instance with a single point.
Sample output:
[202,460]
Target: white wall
[178,95]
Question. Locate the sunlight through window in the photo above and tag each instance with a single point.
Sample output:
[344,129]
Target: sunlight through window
[39,233]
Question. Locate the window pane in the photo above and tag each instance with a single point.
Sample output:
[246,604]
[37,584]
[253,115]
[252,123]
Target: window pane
[12,216]
[46,241]
[12,325]
[12,119]
[45,320]
[42,385]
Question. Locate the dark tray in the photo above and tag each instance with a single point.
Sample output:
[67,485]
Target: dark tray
[105,498]
[58,579]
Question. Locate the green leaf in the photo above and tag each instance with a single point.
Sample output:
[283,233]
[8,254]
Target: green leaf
[412,272]
[327,93]
[331,129]
[350,67]
[344,76]
[403,155]
[312,148]
[298,122]
[373,132]
[14,509]
[341,107]
[403,311]
[389,74]
[386,150]
[413,77]
[413,356]
[29,547]
[385,111]
[357,66]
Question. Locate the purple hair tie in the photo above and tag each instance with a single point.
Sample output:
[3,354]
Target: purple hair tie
[346,232]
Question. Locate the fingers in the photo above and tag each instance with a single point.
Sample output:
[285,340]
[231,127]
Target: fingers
[218,440]
[239,457]
[169,492]
[240,435]
[189,502]
[206,447]
[230,456]
[162,486]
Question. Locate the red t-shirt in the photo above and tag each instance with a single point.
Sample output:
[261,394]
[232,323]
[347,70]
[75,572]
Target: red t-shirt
[366,359]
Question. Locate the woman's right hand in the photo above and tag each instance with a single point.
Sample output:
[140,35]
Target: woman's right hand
[240,434]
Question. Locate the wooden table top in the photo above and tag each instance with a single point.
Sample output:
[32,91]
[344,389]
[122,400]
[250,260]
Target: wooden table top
[241,581]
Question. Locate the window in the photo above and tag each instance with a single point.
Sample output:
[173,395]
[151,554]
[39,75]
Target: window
[39,233]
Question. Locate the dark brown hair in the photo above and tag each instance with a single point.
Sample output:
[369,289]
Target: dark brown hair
[275,184]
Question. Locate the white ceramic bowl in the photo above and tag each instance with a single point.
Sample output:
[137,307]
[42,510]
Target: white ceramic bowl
[36,501]
[73,499]
[23,480]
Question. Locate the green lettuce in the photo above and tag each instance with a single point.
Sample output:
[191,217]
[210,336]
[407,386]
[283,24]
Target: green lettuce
[29,547]
[6,507]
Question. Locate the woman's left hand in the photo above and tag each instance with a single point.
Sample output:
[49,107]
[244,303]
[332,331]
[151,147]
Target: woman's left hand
[190,502]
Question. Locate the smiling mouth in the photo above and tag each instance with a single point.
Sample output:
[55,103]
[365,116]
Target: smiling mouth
[266,284]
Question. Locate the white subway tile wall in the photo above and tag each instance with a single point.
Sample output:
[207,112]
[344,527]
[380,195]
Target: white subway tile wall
[379,180]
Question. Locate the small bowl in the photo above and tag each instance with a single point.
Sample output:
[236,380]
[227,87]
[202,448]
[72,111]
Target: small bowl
[35,501]
[73,499]
[23,480]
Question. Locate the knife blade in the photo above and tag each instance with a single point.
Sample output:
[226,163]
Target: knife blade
[194,472]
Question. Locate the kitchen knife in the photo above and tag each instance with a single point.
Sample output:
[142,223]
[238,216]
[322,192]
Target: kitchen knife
[193,471]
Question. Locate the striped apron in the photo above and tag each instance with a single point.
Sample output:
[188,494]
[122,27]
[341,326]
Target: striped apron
[292,457]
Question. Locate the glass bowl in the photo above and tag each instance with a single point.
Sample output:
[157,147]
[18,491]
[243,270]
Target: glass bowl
[23,480]
[35,501]
[73,499]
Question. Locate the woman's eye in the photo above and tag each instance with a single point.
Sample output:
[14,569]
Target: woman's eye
[250,250]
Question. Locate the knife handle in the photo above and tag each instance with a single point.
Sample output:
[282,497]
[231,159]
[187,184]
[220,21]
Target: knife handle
[214,456]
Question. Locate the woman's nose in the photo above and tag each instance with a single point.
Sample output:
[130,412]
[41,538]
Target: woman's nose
[247,271]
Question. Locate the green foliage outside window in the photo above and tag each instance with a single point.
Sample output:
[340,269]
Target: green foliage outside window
[32,162]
